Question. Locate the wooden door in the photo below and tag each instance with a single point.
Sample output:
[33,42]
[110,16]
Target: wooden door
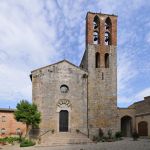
[63,121]
[143,128]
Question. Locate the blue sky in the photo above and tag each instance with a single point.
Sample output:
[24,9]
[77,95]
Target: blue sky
[40,32]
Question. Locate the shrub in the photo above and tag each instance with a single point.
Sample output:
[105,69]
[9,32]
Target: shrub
[9,140]
[135,135]
[109,134]
[118,135]
[100,133]
[26,143]
[3,141]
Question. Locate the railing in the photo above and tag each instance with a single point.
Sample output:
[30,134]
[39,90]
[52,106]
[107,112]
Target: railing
[35,133]
[45,133]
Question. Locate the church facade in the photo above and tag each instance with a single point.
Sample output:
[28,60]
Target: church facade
[84,98]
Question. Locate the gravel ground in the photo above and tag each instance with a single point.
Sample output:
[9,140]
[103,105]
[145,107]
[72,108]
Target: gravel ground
[126,144]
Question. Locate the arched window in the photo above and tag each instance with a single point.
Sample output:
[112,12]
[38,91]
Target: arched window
[97,60]
[3,131]
[64,88]
[96,24]
[3,118]
[18,131]
[106,60]
[108,31]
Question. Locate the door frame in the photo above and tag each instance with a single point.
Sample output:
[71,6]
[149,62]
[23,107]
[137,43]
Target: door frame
[64,107]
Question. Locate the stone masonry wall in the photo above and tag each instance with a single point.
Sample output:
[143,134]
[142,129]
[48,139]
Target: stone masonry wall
[102,82]
[46,84]
[102,91]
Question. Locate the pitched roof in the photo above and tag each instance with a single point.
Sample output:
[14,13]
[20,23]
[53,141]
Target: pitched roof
[7,110]
[58,63]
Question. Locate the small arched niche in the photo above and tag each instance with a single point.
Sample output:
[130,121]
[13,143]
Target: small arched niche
[106,60]
[97,60]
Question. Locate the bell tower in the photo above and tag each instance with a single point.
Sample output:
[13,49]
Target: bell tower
[100,60]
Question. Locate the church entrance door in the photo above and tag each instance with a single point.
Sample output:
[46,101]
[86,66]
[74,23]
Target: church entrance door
[63,121]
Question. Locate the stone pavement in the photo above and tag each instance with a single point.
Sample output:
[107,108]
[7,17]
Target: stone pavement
[126,144]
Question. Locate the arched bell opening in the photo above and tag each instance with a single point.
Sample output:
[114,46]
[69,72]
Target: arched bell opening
[108,31]
[96,29]
[96,23]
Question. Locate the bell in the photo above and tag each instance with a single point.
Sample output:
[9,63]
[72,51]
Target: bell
[95,38]
[107,26]
[107,39]
[95,26]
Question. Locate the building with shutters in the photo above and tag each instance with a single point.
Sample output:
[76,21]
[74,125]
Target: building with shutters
[8,125]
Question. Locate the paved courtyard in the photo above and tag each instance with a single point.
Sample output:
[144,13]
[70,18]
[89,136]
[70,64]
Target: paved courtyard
[126,144]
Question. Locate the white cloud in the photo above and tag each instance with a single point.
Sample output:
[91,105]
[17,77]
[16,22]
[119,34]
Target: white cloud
[125,100]
[15,83]
[126,71]
[37,33]
[145,92]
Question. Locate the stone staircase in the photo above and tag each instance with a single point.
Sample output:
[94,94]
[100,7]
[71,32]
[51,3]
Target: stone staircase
[64,138]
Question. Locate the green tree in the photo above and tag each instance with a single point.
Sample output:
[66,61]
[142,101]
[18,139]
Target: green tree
[28,114]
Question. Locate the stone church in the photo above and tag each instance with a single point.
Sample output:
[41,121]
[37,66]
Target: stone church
[82,98]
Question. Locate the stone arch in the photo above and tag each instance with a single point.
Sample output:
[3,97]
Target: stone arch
[143,128]
[63,104]
[126,126]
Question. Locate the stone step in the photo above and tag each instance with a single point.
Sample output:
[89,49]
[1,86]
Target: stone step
[64,138]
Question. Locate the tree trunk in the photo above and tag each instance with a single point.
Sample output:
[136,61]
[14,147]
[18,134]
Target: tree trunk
[27,130]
